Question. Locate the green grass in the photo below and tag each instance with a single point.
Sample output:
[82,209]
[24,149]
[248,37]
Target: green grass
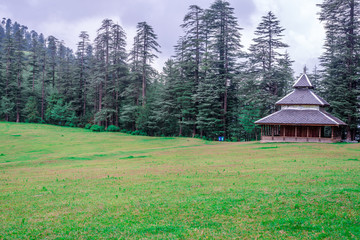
[69,183]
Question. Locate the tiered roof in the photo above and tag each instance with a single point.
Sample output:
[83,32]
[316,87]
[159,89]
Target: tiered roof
[293,111]
[302,96]
[303,82]
[301,117]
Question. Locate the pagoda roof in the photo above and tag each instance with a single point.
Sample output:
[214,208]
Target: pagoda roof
[301,117]
[303,82]
[302,96]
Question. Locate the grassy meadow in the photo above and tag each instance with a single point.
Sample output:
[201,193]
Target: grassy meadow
[70,183]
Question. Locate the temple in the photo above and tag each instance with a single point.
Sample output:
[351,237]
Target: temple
[302,118]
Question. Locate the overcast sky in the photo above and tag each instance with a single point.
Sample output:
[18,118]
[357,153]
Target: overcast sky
[65,19]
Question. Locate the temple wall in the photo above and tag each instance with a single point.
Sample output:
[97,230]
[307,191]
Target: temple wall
[299,139]
[300,107]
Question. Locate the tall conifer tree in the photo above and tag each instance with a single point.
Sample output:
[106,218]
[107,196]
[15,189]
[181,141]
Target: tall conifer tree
[224,51]
[147,47]
[341,60]
[269,62]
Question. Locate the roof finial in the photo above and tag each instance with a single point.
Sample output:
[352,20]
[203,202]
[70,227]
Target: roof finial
[305,68]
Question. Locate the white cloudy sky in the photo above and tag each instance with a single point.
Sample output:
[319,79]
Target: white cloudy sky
[65,19]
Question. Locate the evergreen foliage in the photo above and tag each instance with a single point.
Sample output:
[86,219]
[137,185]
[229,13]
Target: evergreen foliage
[97,128]
[211,87]
[113,128]
[268,77]
[341,61]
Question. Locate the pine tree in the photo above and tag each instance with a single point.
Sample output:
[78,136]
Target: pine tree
[102,51]
[190,53]
[52,59]
[194,38]
[19,60]
[43,64]
[34,60]
[186,85]
[169,116]
[316,80]
[224,51]
[32,107]
[82,73]
[147,48]
[341,60]
[2,80]
[131,90]
[269,63]
[209,120]
[118,69]
[134,111]
[7,100]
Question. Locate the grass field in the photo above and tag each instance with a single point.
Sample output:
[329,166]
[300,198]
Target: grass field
[70,183]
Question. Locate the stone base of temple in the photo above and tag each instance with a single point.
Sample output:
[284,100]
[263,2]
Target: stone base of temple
[265,139]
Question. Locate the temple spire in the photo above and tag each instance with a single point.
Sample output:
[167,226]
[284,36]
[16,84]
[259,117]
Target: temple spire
[303,81]
[304,70]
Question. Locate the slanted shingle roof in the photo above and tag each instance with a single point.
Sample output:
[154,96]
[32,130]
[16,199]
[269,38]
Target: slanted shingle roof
[301,117]
[302,96]
[303,82]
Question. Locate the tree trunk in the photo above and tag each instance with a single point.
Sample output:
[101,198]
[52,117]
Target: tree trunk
[33,80]
[7,84]
[84,98]
[43,87]
[100,100]
[117,109]
[348,132]
[350,65]
[144,71]
[95,101]
[180,129]
[17,99]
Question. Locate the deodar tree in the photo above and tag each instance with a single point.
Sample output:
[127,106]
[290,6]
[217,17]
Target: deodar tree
[224,51]
[267,59]
[209,88]
[341,60]
[147,48]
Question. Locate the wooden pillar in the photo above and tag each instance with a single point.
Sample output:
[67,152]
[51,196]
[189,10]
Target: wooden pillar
[319,134]
[284,128]
[332,133]
[262,130]
[295,133]
[307,134]
[272,132]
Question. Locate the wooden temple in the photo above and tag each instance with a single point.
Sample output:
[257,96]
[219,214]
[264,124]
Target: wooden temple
[302,118]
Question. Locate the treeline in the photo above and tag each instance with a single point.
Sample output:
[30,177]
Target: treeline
[211,87]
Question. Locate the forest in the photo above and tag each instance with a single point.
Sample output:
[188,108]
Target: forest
[211,87]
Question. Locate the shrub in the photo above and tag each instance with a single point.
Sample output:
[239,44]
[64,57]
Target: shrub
[97,128]
[70,124]
[113,128]
[139,132]
[88,126]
